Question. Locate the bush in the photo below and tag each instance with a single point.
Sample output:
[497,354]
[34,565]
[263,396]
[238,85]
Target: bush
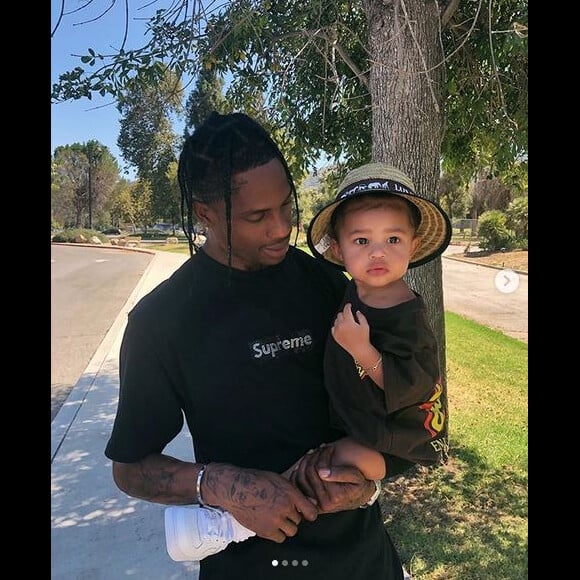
[69,236]
[493,232]
[517,217]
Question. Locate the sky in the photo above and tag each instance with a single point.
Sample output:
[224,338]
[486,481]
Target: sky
[98,119]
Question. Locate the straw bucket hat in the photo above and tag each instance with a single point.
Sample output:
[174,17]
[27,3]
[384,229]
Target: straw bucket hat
[434,229]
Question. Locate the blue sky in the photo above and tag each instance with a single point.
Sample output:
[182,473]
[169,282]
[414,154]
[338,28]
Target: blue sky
[98,119]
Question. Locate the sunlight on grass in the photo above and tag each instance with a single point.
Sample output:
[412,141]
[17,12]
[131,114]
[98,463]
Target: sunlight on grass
[487,391]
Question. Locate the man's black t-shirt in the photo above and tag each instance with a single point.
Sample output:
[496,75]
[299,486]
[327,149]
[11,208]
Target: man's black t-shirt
[240,353]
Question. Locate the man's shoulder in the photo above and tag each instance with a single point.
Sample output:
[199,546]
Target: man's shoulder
[319,267]
[166,295]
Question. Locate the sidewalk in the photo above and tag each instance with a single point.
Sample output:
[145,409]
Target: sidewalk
[98,532]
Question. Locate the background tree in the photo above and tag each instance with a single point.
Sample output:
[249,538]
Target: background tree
[102,175]
[517,218]
[146,137]
[140,204]
[453,195]
[84,176]
[489,193]
[207,96]
[120,205]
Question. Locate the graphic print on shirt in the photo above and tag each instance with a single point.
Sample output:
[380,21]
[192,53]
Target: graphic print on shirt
[268,348]
[435,419]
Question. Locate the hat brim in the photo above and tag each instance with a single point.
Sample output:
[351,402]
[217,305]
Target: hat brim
[434,230]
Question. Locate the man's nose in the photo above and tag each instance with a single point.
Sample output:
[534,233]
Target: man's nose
[280,225]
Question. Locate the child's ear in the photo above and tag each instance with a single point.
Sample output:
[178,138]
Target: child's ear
[335,250]
[415,245]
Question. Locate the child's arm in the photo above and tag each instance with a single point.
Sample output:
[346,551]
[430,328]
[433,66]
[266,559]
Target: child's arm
[353,334]
[348,452]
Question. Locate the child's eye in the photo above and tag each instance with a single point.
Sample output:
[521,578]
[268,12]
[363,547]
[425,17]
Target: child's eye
[361,241]
[393,240]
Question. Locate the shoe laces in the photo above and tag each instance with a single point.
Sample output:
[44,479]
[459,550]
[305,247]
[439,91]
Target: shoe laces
[215,528]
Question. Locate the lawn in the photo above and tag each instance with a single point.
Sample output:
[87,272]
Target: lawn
[468,519]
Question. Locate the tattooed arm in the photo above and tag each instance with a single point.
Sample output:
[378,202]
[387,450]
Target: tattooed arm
[263,501]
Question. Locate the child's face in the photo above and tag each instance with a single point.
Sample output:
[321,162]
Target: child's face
[375,242]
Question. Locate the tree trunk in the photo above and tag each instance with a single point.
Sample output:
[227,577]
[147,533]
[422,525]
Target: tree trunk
[406,77]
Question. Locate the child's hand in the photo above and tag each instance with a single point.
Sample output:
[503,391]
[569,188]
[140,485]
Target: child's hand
[305,472]
[351,332]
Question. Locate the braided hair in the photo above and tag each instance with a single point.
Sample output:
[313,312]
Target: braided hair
[223,146]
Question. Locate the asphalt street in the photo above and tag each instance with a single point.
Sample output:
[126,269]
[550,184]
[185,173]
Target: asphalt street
[89,286]
[485,294]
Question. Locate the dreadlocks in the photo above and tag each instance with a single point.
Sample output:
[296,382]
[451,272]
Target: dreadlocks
[222,147]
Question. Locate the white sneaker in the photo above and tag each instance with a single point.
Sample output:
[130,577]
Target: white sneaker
[194,532]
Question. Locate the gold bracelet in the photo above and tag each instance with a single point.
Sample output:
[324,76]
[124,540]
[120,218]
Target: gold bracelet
[373,368]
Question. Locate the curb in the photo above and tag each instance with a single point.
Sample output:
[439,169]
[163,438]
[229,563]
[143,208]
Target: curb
[451,257]
[107,246]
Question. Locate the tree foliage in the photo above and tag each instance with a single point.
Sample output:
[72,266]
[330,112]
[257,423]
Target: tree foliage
[310,60]
[207,96]
[146,138]
[83,178]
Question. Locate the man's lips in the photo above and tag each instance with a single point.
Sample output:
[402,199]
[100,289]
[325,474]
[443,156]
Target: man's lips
[278,246]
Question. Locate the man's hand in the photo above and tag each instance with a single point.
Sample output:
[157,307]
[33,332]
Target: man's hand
[263,501]
[333,488]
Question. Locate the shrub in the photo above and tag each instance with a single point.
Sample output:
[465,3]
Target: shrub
[69,236]
[493,233]
[517,217]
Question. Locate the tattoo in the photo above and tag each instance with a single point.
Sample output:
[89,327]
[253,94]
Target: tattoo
[157,483]
[243,488]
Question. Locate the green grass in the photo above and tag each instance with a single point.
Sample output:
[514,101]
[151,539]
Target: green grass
[468,519]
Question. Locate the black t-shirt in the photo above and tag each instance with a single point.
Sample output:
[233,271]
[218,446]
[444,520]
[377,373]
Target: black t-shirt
[240,353]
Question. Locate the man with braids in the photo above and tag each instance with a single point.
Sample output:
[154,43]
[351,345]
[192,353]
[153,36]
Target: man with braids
[234,341]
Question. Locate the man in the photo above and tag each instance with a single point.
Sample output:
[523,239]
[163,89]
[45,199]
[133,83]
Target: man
[234,341]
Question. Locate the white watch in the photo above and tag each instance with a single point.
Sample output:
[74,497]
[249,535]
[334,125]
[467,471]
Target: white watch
[375,495]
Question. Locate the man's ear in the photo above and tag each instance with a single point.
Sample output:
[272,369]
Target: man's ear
[203,213]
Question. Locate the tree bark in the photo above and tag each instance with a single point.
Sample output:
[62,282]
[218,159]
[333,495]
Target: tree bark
[406,76]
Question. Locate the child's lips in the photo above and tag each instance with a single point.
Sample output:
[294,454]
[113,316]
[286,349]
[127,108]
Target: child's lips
[378,269]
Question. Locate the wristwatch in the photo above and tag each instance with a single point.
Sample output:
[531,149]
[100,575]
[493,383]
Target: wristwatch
[375,495]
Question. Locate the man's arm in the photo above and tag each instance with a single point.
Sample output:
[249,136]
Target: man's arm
[159,479]
[262,501]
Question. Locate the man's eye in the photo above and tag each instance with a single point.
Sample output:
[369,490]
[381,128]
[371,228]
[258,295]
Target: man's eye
[255,218]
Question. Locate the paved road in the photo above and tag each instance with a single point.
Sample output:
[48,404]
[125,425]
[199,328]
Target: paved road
[470,290]
[89,286]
